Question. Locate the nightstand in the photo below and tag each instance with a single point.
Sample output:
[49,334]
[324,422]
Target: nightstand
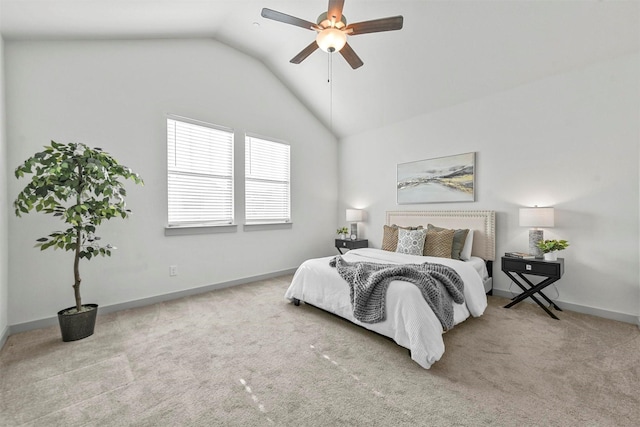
[516,268]
[351,244]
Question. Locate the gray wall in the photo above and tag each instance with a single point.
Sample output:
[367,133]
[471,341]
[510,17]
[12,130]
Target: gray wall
[115,94]
[570,141]
[4,211]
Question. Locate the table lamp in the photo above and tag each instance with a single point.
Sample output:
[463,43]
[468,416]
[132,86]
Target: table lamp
[535,218]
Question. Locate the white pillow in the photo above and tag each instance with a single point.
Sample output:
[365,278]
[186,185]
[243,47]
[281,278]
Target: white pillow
[411,241]
[465,253]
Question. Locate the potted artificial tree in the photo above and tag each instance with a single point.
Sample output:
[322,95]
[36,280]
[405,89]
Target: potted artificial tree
[82,186]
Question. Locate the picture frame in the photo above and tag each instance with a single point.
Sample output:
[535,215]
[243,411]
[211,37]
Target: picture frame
[438,180]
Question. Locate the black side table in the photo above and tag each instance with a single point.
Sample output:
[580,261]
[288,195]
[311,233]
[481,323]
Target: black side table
[351,244]
[516,269]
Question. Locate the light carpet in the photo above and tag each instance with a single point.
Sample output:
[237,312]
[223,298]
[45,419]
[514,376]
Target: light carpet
[244,356]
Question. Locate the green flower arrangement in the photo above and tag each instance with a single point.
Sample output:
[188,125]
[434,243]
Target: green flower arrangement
[547,246]
[343,230]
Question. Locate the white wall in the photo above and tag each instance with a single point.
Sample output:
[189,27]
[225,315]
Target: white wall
[570,141]
[115,94]
[4,211]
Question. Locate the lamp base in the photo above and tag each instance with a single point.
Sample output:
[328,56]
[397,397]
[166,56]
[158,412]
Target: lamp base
[535,236]
[354,229]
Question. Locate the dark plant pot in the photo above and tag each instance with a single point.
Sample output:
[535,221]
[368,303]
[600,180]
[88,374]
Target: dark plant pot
[76,326]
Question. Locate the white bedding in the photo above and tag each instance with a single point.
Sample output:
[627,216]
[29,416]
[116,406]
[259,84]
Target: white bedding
[410,321]
[480,266]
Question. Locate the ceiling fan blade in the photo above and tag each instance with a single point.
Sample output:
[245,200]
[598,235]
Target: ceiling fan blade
[350,56]
[304,53]
[334,12]
[375,26]
[288,19]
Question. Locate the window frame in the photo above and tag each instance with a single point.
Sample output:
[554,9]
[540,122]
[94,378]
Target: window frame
[266,221]
[172,227]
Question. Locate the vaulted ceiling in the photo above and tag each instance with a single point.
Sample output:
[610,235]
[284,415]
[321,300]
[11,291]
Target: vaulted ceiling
[448,52]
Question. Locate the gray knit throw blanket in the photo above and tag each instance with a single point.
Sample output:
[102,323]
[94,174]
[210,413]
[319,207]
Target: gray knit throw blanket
[368,282]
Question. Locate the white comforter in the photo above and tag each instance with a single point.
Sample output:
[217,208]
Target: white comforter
[410,321]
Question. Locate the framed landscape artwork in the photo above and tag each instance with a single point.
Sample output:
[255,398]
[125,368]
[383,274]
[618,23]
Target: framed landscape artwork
[439,180]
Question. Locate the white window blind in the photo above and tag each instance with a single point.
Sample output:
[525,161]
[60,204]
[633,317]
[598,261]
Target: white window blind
[267,186]
[200,173]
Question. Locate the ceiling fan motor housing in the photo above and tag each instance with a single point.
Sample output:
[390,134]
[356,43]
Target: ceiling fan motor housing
[325,21]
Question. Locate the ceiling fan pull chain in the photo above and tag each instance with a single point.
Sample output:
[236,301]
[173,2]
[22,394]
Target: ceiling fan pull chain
[330,81]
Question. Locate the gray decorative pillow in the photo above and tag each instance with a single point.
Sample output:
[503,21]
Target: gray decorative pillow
[411,241]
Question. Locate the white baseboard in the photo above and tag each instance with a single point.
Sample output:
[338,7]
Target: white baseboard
[51,321]
[599,312]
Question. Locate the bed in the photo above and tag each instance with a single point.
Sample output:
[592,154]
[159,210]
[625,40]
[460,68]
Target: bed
[410,322]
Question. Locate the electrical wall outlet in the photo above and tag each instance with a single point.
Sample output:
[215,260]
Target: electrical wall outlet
[173,270]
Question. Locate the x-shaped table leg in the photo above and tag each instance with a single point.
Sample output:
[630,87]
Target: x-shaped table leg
[533,289]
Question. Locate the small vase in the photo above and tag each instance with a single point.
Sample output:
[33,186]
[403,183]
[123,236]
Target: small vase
[551,256]
[343,236]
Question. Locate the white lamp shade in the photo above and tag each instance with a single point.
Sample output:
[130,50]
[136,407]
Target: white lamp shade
[331,39]
[355,215]
[536,217]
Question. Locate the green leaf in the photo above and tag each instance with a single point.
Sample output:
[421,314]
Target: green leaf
[47,245]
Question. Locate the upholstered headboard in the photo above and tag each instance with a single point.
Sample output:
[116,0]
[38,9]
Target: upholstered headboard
[483,224]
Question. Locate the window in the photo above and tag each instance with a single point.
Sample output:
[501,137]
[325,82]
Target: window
[200,173]
[267,187]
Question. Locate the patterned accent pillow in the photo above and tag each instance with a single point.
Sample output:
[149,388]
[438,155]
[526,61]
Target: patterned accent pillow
[411,241]
[439,243]
[390,236]
[459,237]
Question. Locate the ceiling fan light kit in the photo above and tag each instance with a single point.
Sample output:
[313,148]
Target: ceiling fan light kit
[333,30]
[331,39]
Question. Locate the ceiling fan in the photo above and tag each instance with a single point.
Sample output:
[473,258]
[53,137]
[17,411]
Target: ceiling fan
[332,31]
